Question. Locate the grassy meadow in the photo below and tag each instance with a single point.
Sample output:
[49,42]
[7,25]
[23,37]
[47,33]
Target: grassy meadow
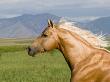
[17,66]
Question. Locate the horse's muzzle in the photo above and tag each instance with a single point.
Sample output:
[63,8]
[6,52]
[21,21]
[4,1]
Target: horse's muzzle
[31,51]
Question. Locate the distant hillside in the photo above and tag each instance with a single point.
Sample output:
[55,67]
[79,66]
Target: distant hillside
[25,26]
[99,25]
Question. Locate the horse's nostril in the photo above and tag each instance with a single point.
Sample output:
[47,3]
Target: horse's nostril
[28,49]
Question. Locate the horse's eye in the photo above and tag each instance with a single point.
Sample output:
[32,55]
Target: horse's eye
[45,35]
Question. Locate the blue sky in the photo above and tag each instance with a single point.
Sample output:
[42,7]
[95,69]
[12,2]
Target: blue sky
[71,8]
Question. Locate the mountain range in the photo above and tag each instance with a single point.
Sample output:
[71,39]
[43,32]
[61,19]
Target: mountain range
[27,25]
[99,25]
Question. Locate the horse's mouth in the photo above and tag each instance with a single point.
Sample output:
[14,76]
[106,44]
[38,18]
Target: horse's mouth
[33,54]
[30,53]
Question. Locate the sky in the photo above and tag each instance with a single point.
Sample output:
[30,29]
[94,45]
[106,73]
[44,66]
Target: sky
[68,8]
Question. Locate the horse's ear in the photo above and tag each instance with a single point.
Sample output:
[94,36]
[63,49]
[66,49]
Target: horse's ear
[50,23]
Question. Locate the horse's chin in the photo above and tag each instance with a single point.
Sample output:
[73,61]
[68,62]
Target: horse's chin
[31,55]
[35,54]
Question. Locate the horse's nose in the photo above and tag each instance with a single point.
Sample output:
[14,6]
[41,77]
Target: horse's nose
[31,51]
[28,49]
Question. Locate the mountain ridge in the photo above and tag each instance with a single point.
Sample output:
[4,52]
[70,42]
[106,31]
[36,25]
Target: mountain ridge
[25,25]
[99,25]
[28,26]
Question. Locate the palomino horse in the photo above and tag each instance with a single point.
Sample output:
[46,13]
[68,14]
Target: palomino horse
[81,49]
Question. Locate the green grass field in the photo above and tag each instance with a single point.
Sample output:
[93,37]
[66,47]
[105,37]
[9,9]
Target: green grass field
[17,66]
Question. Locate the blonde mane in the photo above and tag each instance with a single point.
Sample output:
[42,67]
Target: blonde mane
[94,39]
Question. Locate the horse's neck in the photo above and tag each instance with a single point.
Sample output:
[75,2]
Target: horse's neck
[73,49]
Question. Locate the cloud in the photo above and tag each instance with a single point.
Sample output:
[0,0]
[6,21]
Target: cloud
[17,7]
[50,3]
[8,1]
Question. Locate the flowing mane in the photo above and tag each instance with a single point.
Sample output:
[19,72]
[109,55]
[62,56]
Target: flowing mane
[94,39]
